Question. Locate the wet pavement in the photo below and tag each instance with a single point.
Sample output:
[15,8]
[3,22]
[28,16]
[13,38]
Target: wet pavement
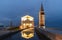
[18,36]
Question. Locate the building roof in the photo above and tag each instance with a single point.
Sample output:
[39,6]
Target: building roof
[42,9]
[27,17]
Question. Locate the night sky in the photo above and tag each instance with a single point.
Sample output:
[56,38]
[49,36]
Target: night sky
[15,9]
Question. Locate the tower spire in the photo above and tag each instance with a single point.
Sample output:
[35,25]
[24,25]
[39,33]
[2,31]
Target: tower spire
[42,7]
[41,17]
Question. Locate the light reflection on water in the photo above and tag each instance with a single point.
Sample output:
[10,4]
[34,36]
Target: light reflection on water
[27,33]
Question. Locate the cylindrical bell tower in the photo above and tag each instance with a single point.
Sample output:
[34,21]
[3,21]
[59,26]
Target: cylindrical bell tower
[41,18]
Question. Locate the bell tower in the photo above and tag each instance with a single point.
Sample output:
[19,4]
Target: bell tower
[41,18]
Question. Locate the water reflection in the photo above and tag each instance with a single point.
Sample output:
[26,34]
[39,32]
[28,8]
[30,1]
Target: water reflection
[28,33]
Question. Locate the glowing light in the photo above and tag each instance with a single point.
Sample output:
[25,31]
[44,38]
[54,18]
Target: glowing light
[31,19]
[28,33]
[23,18]
[27,36]
[24,24]
[30,24]
[27,24]
[27,17]
[43,27]
[21,27]
[27,21]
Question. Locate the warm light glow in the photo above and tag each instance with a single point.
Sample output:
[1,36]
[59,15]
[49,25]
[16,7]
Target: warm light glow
[28,33]
[27,24]
[43,27]
[27,17]
[27,36]
[21,27]
[31,19]
[23,19]
[24,24]
[30,24]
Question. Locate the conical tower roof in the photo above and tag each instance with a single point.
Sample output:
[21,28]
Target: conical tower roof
[42,9]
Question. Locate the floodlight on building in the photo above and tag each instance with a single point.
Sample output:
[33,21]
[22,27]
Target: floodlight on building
[31,19]
[23,18]
[27,24]
[31,25]
[24,24]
